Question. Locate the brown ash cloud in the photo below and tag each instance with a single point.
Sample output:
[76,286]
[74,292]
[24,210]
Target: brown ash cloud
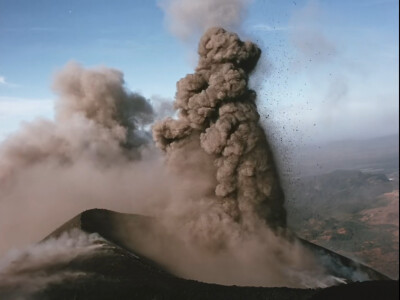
[218,113]
[213,187]
[95,117]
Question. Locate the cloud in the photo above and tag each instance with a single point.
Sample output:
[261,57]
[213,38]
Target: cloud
[307,35]
[13,111]
[10,106]
[266,27]
[188,18]
[4,82]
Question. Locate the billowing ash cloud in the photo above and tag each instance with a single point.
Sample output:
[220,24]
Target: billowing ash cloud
[99,95]
[187,18]
[92,154]
[95,117]
[218,112]
[214,188]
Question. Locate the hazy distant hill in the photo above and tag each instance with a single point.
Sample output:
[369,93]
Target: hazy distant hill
[339,192]
[372,155]
[351,212]
[344,196]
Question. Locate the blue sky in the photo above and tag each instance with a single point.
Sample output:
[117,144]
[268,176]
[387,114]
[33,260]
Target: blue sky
[329,70]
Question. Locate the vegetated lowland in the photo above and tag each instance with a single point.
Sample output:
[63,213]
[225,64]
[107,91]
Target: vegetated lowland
[347,200]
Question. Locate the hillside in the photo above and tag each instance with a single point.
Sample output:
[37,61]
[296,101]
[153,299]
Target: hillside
[351,212]
[104,268]
[379,154]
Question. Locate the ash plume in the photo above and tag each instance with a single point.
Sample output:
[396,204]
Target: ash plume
[95,117]
[213,187]
[218,112]
[95,153]
[229,219]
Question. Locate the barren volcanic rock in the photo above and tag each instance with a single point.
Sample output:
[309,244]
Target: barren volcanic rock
[114,270]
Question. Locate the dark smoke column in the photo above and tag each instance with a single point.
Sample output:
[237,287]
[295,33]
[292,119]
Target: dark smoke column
[218,110]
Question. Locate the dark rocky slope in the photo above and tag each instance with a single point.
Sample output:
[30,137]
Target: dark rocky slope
[115,271]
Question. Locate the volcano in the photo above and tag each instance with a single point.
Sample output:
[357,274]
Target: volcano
[208,179]
[116,269]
